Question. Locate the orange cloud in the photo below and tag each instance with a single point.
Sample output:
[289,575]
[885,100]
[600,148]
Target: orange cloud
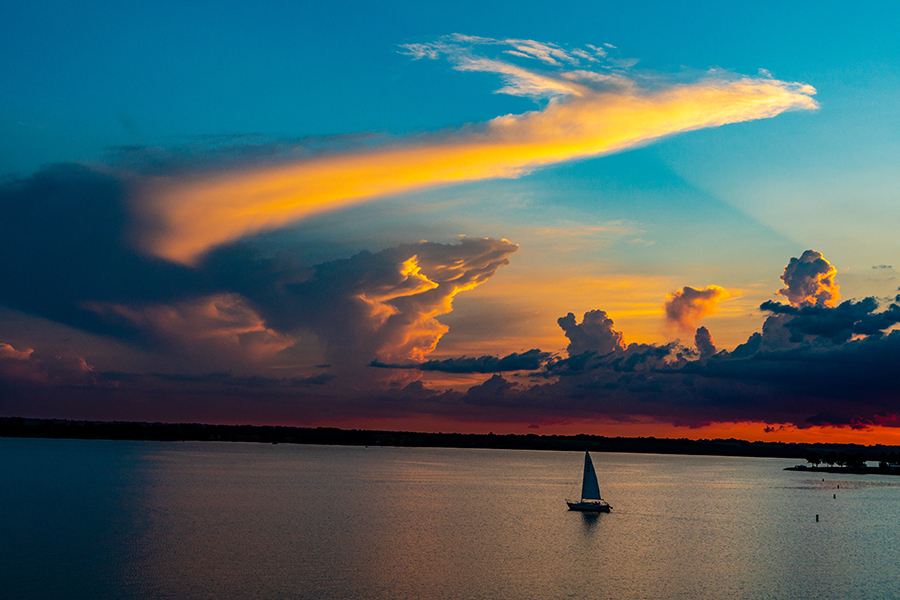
[399,321]
[588,114]
[685,307]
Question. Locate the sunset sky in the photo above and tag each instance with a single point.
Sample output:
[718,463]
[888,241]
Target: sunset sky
[644,218]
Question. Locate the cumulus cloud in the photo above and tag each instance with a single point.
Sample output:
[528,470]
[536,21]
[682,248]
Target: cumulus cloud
[811,365]
[594,334]
[704,342]
[593,106]
[685,307]
[372,305]
[818,360]
[810,360]
[809,280]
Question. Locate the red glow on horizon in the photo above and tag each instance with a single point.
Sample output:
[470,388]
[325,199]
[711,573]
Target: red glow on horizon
[750,431]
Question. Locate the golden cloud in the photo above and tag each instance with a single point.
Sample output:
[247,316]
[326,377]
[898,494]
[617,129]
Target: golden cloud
[685,307]
[588,114]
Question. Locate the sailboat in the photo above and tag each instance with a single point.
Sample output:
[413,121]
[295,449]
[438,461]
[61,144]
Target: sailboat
[590,491]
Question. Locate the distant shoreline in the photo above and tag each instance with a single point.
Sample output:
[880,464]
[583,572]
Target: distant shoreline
[126,430]
[845,470]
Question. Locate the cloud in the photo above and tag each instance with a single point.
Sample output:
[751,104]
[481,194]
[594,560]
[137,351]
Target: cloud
[66,253]
[370,306]
[34,368]
[685,307]
[811,365]
[592,108]
[595,334]
[61,238]
[824,372]
[222,326]
[495,390]
[704,342]
[809,361]
[810,281]
[836,324]
[531,360]
[64,240]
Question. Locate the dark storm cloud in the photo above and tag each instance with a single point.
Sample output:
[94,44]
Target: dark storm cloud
[526,361]
[836,324]
[805,362]
[61,239]
[67,257]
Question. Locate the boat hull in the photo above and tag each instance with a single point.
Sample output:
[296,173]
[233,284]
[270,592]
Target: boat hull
[589,506]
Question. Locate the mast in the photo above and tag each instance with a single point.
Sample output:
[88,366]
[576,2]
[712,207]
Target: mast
[589,488]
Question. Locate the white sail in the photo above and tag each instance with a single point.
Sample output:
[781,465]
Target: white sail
[589,488]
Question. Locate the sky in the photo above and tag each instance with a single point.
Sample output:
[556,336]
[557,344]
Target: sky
[628,219]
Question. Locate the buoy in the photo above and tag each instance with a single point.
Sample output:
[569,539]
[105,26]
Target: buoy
[835,496]
[817,518]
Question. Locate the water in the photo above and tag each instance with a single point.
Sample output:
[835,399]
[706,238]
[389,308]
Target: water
[102,519]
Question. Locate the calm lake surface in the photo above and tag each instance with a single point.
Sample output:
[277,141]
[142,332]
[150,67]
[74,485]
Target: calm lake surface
[103,519]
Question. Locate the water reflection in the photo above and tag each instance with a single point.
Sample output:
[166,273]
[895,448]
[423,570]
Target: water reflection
[238,521]
[589,521]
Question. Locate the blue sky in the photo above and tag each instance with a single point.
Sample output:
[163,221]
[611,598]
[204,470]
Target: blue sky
[188,99]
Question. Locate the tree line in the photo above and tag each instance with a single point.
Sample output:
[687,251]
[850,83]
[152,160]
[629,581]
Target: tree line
[887,461]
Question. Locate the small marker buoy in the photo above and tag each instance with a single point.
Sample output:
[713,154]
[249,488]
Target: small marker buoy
[817,518]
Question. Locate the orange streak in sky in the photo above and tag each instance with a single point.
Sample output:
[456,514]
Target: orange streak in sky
[181,218]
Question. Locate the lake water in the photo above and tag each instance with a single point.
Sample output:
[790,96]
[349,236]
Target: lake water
[103,519]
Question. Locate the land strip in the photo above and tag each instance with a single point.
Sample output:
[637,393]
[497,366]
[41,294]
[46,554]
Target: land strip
[121,430]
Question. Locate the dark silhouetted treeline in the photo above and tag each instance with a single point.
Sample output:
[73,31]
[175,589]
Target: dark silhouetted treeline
[58,428]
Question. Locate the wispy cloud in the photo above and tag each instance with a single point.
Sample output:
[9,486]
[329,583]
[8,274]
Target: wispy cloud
[594,106]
